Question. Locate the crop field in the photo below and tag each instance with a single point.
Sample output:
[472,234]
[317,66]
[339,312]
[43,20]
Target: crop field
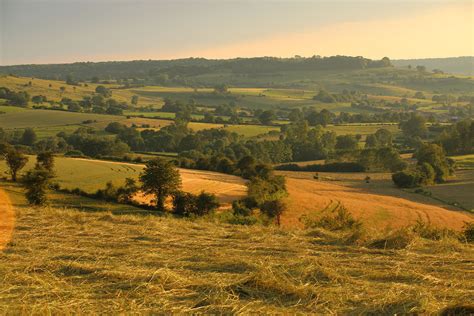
[362,129]
[378,203]
[251,130]
[42,87]
[67,261]
[91,175]
[45,118]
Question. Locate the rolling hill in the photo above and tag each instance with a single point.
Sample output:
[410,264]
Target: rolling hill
[378,210]
[453,65]
[67,261]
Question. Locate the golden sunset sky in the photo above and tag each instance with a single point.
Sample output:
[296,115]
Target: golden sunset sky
[56,31]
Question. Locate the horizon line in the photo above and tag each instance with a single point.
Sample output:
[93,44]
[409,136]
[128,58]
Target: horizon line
[230,58]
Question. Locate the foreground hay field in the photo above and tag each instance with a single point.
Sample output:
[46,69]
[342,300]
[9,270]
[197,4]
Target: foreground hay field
[65,261]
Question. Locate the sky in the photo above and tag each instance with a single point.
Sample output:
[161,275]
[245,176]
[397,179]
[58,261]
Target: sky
[60,31]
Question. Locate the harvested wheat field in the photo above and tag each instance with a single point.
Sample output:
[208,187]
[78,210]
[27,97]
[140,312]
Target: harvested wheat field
[310,198]
[66,261]
[7,219]
[226,187]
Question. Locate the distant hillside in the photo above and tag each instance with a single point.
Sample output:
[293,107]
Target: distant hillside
[454,65]
[190,67]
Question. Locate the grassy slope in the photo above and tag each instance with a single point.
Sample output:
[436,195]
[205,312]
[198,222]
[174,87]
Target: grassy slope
[66,261]
[378,204]
[91,175]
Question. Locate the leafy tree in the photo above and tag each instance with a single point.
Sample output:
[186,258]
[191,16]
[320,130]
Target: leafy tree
[421,69]
[36,182]
[134,99]
[274,209]
[434,155]
[45,160]
[419,95]
[206,203]
[161,179]
[187,204]
[346,142]
[459,138]
[38,99]
[115,128]
[324,96]
[266,117]
[15,161]
[29,137]
[295,115]
[261,190]
[384,137]
[126,193]
[19,98]
[221,88]
[103,91]
[415,126]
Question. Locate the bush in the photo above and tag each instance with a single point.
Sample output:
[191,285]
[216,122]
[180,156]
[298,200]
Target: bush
[423,174]
[273,209]
[406,179]
[468,232]
[74,153]
[240,208]
[340,219]
[188,204]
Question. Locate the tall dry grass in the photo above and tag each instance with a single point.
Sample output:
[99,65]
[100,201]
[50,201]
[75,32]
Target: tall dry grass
[66,261]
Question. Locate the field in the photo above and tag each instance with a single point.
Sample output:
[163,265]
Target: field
[91,175]
[42,87]
[66,261]
[362,129]
[378,204]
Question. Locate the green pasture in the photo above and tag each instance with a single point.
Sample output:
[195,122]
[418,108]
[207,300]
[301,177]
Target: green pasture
[88,175]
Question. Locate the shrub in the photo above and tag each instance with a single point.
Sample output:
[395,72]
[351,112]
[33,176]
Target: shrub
[36,182]
[206,203]
[74,153]
[340,219]
[406,179]
[273,209]
[468,232]
[239,208]
[188,204]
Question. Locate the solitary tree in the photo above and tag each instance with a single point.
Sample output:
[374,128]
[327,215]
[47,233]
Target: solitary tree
[266,117]
[29,137]
[161,179]
[36,182]
[103,91]
[415,126]
[273,209]
[134,100]
[45,160]
[15,162]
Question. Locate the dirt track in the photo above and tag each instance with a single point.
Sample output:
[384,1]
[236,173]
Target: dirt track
[7,219]
[310,197]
